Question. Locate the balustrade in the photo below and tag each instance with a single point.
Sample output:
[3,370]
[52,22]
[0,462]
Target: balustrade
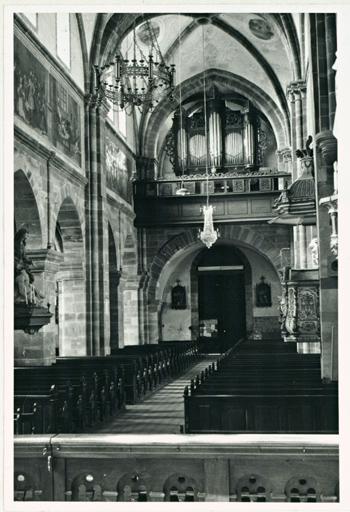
[244,184]
[172,468]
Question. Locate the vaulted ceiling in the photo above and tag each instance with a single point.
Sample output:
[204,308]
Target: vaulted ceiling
[260,51]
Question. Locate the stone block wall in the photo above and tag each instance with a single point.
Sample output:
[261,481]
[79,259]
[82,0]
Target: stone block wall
[261,245]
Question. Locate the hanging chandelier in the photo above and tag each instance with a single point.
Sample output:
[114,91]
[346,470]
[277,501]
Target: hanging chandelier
[208,235]
[142,81]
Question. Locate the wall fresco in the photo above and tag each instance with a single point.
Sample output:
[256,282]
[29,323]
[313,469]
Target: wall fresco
[118,170]
[42,102]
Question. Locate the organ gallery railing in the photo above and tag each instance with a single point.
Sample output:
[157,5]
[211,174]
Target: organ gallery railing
[230,183]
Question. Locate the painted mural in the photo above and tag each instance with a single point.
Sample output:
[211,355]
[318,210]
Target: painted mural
[45,104]
[65,121]
[31,89]
[118,170]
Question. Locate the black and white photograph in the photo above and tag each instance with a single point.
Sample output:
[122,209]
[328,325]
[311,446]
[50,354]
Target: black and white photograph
[171,267]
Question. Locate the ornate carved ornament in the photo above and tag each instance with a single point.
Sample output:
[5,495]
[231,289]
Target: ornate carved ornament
[296,90]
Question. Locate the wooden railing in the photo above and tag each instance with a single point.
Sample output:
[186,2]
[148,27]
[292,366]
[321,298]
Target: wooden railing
[176,468]
[244,183]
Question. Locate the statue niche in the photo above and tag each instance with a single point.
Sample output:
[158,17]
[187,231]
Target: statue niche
[30,314]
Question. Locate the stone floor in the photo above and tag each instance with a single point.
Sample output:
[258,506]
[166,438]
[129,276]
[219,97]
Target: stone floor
[162,412]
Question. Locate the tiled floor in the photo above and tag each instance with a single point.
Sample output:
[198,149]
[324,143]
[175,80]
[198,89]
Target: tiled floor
[162,412]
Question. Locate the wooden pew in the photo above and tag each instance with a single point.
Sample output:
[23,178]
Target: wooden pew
[250,390]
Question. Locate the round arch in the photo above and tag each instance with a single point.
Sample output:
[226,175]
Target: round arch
[188,241]
[70,282]
[220,79]
[26,210]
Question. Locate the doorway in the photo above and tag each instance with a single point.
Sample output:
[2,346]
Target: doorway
[222,296]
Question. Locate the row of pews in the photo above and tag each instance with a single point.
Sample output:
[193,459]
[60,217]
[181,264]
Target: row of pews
[262,387]
[77,393]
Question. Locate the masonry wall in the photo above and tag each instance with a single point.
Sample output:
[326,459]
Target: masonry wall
[262,245]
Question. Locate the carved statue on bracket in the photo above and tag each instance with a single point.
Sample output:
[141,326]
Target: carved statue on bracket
[29,313]
[25,291]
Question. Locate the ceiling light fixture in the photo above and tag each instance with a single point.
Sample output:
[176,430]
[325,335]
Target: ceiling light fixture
[140,82]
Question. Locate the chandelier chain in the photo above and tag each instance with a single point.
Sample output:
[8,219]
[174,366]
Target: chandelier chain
[205,117]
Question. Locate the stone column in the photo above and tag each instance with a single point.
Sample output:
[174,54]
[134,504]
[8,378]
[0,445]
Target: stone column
[97,230]
[40,349]
[130,300]
[326,155]
[296,93]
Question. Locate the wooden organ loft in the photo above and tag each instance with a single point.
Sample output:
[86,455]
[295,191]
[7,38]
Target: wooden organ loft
[239,137]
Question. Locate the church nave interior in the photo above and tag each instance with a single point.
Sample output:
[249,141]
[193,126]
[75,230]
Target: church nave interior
[175,257]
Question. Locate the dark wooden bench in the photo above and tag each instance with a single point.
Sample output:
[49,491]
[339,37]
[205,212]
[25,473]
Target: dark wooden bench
[79,400]
[251,390]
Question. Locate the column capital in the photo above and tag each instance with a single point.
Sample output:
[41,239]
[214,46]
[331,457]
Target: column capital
[45,259]
[285,154]
[296,90]
[98,102]
[92,100]
[327,144]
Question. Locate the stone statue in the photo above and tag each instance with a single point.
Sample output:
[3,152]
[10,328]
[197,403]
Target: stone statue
[25,290]
[313,246]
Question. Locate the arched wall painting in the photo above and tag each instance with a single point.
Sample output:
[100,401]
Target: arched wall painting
[45,103]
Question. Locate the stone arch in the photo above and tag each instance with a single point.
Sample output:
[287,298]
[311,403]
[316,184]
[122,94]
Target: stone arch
[133,487]
[254,488]
[70,282]
[84,49]
[85,488]
[180,487]
[302,488]
[278,119]
[26,210]
[70,231]
[243,236]
[63,196]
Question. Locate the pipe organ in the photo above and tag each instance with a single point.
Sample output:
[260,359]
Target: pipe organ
[238,137]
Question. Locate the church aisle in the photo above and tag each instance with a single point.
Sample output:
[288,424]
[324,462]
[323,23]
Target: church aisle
[162,412]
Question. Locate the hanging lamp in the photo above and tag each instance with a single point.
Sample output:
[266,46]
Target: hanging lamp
[140,82]
[208,235]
